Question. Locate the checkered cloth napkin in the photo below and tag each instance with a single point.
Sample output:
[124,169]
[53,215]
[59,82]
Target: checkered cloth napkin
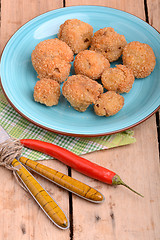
[18,127]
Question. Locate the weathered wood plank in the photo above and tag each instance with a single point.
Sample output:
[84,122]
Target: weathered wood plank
[17,12]
[123,215]
[153,11]
[20,216]
[153,7]
[125,5]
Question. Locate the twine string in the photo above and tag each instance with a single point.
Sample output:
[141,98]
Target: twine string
[9,150]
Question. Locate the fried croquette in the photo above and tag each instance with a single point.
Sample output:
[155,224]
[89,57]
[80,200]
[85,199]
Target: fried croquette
[56,68]
[108,104]
[119,79]
[51,58]
[140,58]
[81,91]
[76,33]
[53,48]
[90,63]
[47,91]
[109,43]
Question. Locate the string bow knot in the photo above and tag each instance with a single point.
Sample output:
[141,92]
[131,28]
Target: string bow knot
[9,150]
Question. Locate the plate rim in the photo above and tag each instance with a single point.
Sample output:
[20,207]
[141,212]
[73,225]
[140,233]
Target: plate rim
[63,132]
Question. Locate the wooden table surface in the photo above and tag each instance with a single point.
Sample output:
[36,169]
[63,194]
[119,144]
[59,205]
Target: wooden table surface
[123,215]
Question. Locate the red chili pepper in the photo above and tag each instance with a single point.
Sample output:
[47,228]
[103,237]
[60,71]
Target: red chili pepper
[76,162]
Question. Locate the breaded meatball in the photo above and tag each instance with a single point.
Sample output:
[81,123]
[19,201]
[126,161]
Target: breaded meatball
[140,58]
[119,79]
[56,68]
[108,104]
[47,91]
[90,63]
[51,58]
[53,48]
[109,43]
[81,91]
[76,33]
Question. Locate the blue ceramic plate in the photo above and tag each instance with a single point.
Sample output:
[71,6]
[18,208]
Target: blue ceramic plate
[18,77]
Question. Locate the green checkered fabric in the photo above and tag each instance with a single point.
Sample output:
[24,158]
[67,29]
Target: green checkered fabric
[18,127]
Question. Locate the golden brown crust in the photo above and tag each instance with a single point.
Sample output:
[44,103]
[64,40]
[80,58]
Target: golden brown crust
[81,91]
[51,58]
[53,48]
[140,58]
[76,33]
[109,43]
[90,64]
[119,79]
[47,91]
[108,104]
[56,68]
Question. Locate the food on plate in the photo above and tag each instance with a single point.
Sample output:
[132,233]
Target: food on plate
[51,59]
[109,43]
[56,69]
[47,91]
[90,63]
[76,33]
[140,58]
[53,48]
[119,79]
[81,91]
[109,104]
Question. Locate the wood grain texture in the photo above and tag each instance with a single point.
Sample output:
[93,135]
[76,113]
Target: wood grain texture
[123,215]
[20,216]
[17,12]
[130,6]
[153,8]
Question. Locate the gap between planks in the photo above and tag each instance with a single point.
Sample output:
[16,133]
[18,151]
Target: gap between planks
[158,112]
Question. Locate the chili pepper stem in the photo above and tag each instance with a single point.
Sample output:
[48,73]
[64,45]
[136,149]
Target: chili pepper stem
[118,181]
